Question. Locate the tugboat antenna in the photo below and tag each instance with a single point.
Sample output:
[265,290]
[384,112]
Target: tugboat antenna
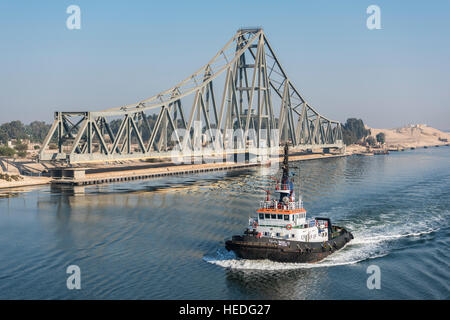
[268,194]
[286,162]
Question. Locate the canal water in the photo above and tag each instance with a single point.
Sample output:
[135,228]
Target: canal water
[164,238]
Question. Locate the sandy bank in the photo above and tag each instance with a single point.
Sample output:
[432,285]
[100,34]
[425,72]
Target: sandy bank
[25,181]
[408,137]
[414,136]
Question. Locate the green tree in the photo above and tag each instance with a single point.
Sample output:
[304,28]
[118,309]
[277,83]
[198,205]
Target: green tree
[4,137]
[21,147]
[354,130]
[381,137]
[6,151]
[14,129]
[371,141]
[37,131]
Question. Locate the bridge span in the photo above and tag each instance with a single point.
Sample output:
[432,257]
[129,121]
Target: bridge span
[241,101]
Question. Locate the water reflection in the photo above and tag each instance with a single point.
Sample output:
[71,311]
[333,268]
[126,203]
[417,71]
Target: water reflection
[149,238]
[16,191]
[277,284]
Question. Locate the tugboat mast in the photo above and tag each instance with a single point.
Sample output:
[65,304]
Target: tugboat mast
[285,182]
[286,163]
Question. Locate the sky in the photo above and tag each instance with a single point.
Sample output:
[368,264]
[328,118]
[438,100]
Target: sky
[127,51]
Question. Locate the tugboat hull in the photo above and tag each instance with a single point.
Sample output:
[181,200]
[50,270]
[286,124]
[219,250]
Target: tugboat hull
[249,246]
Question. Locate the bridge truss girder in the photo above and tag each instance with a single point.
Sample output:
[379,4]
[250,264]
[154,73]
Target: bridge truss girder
[193,112]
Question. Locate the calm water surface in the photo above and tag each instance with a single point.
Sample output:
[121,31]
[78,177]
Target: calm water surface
[164,238]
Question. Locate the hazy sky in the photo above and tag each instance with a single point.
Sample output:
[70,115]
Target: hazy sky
[130,50]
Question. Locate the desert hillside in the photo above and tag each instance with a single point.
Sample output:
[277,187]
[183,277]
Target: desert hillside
[419,135]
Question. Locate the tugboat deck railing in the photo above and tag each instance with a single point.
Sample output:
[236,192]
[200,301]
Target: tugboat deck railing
[282,187]
[273,204]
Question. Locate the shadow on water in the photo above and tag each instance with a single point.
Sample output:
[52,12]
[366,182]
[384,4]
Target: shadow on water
[151,185]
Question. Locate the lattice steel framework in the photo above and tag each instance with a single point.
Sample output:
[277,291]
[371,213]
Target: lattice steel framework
[257,103]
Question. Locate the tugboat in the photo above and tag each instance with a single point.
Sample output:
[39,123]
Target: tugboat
[281,231]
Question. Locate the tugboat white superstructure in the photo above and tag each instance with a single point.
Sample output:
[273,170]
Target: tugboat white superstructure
[281,231]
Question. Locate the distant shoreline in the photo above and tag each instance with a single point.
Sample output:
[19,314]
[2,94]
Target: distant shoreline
[28,181]
[399,139]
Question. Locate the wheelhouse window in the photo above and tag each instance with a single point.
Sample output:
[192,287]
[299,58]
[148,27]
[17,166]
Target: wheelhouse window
[273,216]
[280,216]
[286,217]
[261,216]
[267,215]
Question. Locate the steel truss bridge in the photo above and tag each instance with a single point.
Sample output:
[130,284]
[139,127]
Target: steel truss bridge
[241,99]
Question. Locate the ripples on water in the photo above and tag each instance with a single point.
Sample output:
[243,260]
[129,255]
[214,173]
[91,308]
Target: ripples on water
[163,238]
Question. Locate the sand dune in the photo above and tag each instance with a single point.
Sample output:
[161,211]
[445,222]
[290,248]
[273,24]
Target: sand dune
[413,136]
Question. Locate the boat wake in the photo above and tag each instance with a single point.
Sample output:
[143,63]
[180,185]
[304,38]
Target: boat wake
[377,232]
[379,239]
[357,250]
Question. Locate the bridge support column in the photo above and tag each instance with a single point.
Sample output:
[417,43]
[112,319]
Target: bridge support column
[68,173]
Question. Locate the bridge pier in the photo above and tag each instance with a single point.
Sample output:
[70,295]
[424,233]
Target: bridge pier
[68,173]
